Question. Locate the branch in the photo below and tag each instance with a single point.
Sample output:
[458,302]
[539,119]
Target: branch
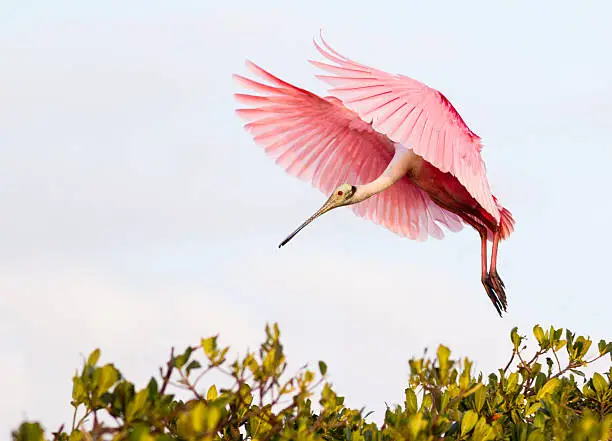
[169,368]
[509,362]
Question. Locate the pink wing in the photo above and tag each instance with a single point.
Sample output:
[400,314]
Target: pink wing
[413,114]
[322,141]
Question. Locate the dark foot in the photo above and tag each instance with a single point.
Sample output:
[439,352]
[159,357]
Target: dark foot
[494,288]
[499,286]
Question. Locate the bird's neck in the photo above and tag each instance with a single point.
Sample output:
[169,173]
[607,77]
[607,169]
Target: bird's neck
[397,169]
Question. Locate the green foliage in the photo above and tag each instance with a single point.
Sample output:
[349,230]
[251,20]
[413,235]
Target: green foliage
[532,398]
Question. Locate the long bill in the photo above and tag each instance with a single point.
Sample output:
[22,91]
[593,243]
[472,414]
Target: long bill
[324,209]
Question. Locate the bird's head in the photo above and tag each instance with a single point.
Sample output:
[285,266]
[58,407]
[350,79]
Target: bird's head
[343,195]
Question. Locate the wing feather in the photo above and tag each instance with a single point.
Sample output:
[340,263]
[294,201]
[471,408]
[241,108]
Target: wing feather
[413,114]
[322,141]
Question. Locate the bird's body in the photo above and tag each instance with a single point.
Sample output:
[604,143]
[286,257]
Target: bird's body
[414,162]
[446,191]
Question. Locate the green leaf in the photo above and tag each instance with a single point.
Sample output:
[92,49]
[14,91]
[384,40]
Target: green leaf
[539,334]
[181,360]
[536,435]
[212,417]
[210,346]
[197,416]
[76,435]
[548,388]
[604,348]
[322,367]
[348,434]
[427,402]
[443,355]
[309,376]
[533,408]
[29,432]
[569,336]
[193,364]
[469,420]
[479,398]
[516,339]
[581,347]
[212,393]
[273,360]
[512,381]
[599,383]
[79,395]
[482,431]
[443,362]
[540,420]
[411,401]
[108,377]
[415,424]
[152,386]
[137,404]
[94,357]
[559,345]
[141,433]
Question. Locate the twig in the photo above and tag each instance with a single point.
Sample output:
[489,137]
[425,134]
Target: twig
[74,416]
[57,434]
[596,358]
[523,362]
[509,362]
[557,358]
[169,368]
[190,386]
[204,372]
[82,419]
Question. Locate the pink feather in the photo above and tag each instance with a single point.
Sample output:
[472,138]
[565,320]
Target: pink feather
[399,141]
[413,114]
[321,140]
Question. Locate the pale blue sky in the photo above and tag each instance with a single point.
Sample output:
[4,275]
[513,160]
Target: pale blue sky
[130,191]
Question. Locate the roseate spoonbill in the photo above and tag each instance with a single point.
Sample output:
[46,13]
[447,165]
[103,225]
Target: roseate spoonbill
[412,161]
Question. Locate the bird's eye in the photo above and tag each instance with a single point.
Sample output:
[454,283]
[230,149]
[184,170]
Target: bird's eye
[339,192]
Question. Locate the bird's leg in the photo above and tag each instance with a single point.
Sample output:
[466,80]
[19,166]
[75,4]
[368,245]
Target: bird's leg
[498,299]
[489,286]
[483,255]
[496,281]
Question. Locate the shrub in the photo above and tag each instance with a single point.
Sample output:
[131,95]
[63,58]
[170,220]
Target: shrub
[532,398]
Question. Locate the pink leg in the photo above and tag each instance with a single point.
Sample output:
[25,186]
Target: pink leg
[495,279]
[497,297]
[483,253]
[493,285]
[496,239]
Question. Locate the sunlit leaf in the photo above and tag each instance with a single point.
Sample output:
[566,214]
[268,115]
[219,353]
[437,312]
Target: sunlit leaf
[599,383]
[94,357]
[212,393]
[539,334]
[469,420]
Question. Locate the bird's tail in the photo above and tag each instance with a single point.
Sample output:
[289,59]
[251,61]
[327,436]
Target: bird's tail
[506,221]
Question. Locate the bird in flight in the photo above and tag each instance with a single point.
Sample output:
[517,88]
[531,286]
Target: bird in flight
[391,147]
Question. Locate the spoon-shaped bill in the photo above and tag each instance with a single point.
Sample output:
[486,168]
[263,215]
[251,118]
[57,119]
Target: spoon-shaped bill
[325,208]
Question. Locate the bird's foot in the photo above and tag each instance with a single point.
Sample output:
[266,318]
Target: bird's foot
[494,288]
[499,288]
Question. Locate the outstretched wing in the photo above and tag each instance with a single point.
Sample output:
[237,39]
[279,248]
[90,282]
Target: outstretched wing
[322,141]
[413,114]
